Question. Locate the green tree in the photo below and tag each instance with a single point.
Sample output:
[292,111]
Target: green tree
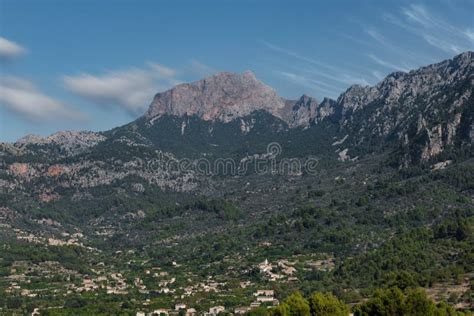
[14,302]
[393,302]
[384,302]
[260,311]
[281,310]
[75,302]
[298,305]
[326,304]
[417,303]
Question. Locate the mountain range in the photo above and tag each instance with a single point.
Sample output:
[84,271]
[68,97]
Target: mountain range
[389,201]
[419,117]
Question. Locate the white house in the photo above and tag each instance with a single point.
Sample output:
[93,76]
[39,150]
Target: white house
[265,293]
[160,311]
[216,310]
[179,306]
[265,299]
[191,312]
[241,310]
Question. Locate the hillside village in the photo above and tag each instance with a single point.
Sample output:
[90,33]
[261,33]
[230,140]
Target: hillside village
[24,281]
[262,298]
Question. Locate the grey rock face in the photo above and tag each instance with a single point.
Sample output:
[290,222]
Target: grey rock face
[403,90]
[303,111]
[423,106]
[228,96]
[327,109]
[308,111]
[224,96]
[72,142]
[355,98]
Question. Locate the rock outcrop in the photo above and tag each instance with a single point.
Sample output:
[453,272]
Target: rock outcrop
[70,142]
[224,96]
[424,109]
[228,96]
[303,111]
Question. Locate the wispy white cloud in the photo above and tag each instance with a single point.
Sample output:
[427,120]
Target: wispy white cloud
[350,79]
[200,68]
[22,97]
[388,64]
[418,14]
[10,49]
[343,79]
[335,74]
[377,36]
[310,83]
[130,89]
[469,33]
[435,31]
[163,71]
[298,56]
[310,73]
[358,40]
[421,16]
[393,48]
[378,75]
[442,44]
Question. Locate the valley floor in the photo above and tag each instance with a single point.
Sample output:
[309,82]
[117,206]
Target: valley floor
[355,227]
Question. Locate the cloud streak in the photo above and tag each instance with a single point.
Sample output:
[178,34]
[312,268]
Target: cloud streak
[200,69]
[469,33]
[130,89]
[317,69]
[310,83]
[444,45]
[419,21]
[377,75]
[9,49]
[299,56]
[389,46]
[388,64]
[22,97]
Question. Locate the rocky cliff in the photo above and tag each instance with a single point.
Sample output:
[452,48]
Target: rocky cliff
[223,96]
[419,115]
[227,96]
[423,111]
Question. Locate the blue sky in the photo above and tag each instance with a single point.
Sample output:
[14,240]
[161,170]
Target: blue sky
[94,65]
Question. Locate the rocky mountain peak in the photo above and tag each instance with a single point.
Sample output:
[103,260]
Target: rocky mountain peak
[356,96]
[410,106]
[464,58]
[223,96]
[306,102]
[399,86]
[302,112]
